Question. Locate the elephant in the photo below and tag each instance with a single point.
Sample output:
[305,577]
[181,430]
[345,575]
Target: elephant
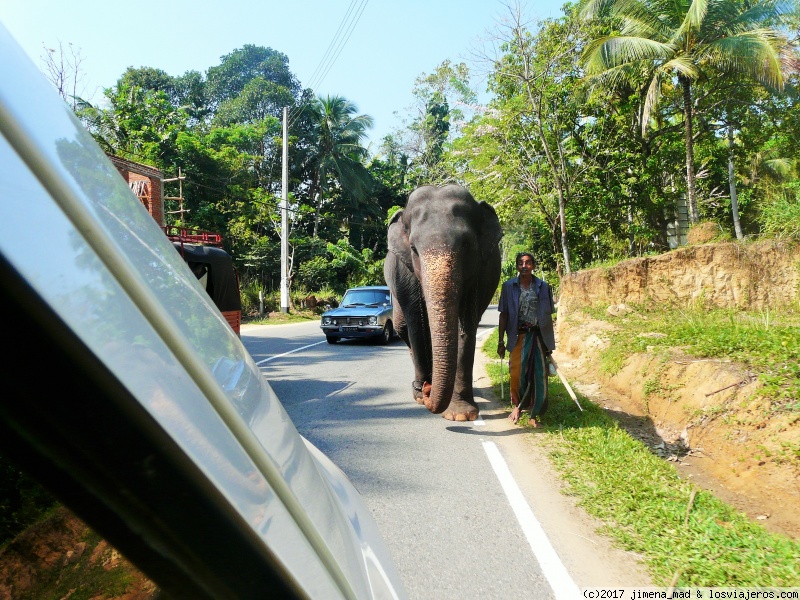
[443,268]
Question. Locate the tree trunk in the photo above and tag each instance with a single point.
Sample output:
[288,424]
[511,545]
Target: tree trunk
[557,176]
[732,184]
[694,216]
[631,236]
[562,217]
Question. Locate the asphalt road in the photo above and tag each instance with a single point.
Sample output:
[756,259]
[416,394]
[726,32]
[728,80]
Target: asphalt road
[458,522]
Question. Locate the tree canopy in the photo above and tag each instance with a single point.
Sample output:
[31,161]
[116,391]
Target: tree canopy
[599,127]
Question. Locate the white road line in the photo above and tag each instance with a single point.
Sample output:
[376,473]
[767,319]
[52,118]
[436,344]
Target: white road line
[484,333]
[555,572]
[479,422]
[266,360]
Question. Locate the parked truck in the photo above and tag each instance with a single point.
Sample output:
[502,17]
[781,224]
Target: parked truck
[213,267]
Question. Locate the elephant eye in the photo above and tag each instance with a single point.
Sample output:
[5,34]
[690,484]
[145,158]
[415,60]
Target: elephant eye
[414,249]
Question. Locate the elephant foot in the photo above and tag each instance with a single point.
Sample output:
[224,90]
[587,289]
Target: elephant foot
[459,410]
[421,391]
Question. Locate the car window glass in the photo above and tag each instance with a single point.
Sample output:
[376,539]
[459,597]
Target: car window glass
[364,297]
[89,299]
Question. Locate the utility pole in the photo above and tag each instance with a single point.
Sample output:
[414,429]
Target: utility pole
[284,219]
[179,197]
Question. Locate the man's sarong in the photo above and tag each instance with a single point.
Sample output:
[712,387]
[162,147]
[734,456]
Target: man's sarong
[533,373]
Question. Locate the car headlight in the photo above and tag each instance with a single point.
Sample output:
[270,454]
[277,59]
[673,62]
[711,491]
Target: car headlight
[373,320]
[326,320]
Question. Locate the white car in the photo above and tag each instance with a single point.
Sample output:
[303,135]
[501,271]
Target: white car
[129,396]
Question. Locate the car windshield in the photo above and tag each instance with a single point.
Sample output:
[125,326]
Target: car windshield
[365,298]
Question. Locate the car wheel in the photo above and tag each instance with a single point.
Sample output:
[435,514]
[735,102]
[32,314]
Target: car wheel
[331,339]
[388,333]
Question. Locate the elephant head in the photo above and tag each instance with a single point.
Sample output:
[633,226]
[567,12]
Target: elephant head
[443,268]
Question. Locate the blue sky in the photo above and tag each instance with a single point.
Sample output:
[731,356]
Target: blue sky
[382,46]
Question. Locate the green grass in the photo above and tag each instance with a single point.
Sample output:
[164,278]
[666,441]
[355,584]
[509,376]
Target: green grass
[83,579]
[281,318]
[645,506]
[766,343]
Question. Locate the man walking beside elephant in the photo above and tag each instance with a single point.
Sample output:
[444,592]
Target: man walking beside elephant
[526,318]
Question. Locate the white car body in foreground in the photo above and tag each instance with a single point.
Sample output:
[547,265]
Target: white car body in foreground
[135,402]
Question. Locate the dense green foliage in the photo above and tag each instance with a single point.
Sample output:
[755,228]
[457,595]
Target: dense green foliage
[601,125]
[223,131]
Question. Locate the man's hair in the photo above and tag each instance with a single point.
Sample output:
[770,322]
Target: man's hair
[521,254]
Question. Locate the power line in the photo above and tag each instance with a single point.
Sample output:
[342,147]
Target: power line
[354,19]
[353,14]
[347,25]
[335,47]
[329,58]
[311,83]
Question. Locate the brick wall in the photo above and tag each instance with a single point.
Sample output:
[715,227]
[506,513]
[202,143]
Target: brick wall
[145,182]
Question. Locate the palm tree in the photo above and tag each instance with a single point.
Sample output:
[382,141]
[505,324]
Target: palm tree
[687,40]
[336,155]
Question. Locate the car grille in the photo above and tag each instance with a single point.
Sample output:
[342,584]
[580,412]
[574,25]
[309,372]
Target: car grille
[354,321]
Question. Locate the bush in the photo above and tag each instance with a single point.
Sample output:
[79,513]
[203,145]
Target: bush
[250,298]
[781,218]
[706,232]
[22,501]
[314,301]
[317,273]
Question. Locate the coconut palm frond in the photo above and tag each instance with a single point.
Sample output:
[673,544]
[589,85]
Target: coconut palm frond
[620,50]
[628,9]
[595,56]
[755,16]
[591,9]
[766,164]
[695,15]
[643,26]
[783,168]
[651,99]
[613,77]
[684,65]
[757,52]
[790,61]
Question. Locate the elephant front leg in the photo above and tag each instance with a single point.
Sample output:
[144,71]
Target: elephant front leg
[462,405]
[413,331]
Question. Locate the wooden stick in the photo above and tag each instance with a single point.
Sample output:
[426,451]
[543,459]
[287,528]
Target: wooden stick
[502,377]
[689,507]
[674,582]
[566,383]
[745,380]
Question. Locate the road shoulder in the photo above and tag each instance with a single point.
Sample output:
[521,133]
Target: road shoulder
[590,558]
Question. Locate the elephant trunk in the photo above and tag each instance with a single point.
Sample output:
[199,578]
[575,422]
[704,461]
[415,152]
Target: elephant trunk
[441,283]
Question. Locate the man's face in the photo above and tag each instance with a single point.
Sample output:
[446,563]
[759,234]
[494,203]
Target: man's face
[525,265]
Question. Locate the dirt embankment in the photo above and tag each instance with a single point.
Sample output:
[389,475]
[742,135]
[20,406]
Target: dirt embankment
[60,557]
[706,415]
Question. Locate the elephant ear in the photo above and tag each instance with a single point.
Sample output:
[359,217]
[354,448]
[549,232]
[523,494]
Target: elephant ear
[491,232]
[397,237]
